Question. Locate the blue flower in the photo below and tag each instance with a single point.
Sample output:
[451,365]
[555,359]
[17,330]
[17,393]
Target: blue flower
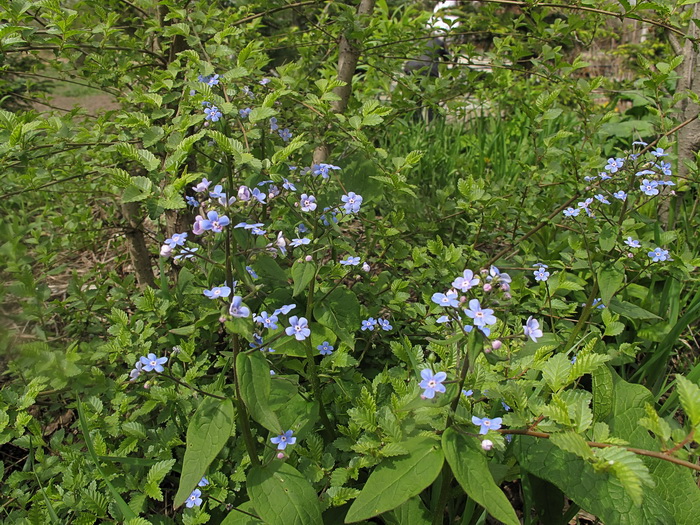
[466,282]
[443,319]
[620,195]
[218,291]
[244,112]
[649,187]
[352,202]
[151,363]
[639,143]
[322,169]
[213,80]
[177,239]
[446,299]
[268,321]
[215,223]
[614,165]
[597,303]
[531,328]
[325,348]
[369,324]
[307,202]
[203,482]
[505,406]
[350,261]
[467,393]
[285,134]
[604,176]
[432,383]
[212,113]
[481,316]
[298,327]
[191,201]
[284,310]
[284,439]
[298,242]
[237,309]
[194,499]
[251,272]
[288,185]
[244,193]
[203,79]
[259,195]
[273,124]
[541,274]
[666,168]
[632,243]
[384,324]
[602,198]
[658,152]
[218,192]
[571,212]
[136,372]
[187,253]
[487,424]
[658,255]
[644,172]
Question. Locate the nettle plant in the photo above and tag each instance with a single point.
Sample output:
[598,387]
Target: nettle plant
[293,366]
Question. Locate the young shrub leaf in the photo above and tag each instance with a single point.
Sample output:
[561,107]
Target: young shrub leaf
[396,480]
[689,394]
[207,433]
[469,465]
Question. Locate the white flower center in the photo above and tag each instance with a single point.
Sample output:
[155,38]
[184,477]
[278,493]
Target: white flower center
[432,383]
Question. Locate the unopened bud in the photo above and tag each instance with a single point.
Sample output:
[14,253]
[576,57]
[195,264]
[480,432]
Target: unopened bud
[222,319]
[487,287]
[308,258]
[487,444]
[365,267]
[505,287]
[166,251]
[280,455]
[507,296]
[496,344]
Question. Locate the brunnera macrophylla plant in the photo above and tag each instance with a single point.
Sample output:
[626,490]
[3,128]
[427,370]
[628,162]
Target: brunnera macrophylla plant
[287,427]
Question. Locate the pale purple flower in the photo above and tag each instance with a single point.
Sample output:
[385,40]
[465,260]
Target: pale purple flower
[649,187]
[633,243]
[352,202]
[307,202]
[244,193]
[197,227]
[298,327]
[285,134]
[166,251]
[350,261]
[194,499]
[268,321]
[658,255]
[151,362]
[202,186]
[446,299]
[531,328]
[273,124]
[215,223]
[466,282]
[621,195]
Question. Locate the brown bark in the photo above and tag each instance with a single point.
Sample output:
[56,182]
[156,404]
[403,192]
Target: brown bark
[348,57]
[136,244]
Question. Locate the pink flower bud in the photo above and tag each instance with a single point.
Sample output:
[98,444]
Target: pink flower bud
[496,344]
[280,455]
[487,444]
[505,287]
[166,251]
[222,319]
[308,258]
[365,267]
[487,287]
[507,296]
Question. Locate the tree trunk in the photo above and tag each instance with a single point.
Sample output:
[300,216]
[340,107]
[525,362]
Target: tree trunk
[136,244]
[348,56]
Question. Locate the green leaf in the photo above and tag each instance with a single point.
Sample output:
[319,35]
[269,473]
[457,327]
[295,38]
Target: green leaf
[610,278]
[556,371]
[608,235]
[412,512]
[599,493]
[238,515]
[340,312]
[572,442]
[124,509]
[689,394]
[302,274]
[471,469]
[629,468]
[139,189]
[155,475]
[396,480]
[261,113]
[603,395]
[630,311]
[207,433]
[282,496]
[253,373]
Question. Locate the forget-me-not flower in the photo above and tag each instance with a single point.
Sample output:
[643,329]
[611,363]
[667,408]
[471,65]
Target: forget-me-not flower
[658,255]
[237,309]
[298,327]
[432,383]
[350,261]
[215,223]
[307,202]
[285,134]
[633,243]
[487,424]
[369,324]
[352,202]
[151,363]
[194,499]
[466,281]
[541,274]
[218,291]
[446,299]
[284,439]
[268,321]
[649,187]
[212,113]
[481,316]
[325,348]
[531,328]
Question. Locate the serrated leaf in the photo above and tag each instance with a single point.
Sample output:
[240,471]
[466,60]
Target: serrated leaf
[261,113]
[140,188]
[282,496]
[207,433]
[396,480]
[603,394]
[572,442]
[555,372]
[586,363]
[471,469]
[629,468]
[689,395]
[253,373]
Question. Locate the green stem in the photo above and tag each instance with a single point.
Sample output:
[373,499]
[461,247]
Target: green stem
[584,317]
[243,418]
